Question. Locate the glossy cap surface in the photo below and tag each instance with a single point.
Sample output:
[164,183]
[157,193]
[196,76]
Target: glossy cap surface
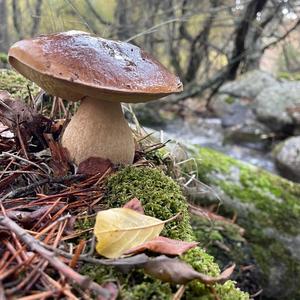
[74,65]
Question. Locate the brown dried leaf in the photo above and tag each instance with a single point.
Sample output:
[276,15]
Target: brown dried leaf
[177,271]
[16,114]
[59,154]
[135,204]
[163,245]
[94,165]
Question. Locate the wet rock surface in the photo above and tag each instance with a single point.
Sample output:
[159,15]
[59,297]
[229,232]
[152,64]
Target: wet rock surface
[287,155]
[274,105]
[249,85]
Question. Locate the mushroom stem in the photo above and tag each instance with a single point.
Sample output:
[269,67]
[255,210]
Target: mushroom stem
[99,129]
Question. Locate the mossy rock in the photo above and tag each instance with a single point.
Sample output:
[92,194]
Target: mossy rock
[268,208]
[16,84]
[161,197]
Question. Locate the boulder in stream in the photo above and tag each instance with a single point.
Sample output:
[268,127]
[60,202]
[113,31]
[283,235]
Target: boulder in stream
[275,104]
[241,91]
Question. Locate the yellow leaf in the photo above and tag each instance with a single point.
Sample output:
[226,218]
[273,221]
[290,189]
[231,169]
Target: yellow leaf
[120,229]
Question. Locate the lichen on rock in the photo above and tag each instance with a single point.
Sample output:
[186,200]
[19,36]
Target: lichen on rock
[162,198]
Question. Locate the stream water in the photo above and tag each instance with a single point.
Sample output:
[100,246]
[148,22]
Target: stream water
[209,132]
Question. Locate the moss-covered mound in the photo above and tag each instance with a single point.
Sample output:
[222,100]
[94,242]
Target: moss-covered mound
[16,84]
[268,207]
[162,198]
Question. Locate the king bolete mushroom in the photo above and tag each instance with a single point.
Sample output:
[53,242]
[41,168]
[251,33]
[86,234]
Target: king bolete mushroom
[101,73]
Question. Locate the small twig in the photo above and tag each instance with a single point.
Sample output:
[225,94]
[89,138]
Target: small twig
[77,253]
[8,154]
[34,245]
[2,295]
[30,97]
[178,295]
[21,140]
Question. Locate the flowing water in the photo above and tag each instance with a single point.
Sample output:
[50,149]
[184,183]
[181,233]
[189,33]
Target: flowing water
[209,132]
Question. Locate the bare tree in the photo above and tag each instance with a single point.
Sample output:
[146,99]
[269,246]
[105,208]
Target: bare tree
[17,19]
[36,17]
[4,41]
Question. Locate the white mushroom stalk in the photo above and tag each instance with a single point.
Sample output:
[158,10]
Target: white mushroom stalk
[99,129]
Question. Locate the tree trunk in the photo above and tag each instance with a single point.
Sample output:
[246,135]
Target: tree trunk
[4,41]
[241,34]
[37,17]
[17,18]
[122,16]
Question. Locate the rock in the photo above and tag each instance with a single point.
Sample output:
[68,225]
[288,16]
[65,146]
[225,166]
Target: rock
[274,103]
[249,133]
[267,207]
[249,85]
[241,91]
[287,155]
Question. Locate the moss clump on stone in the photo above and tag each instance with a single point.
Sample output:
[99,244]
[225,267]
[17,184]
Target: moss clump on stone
[162,198]
[16,84]
[230,100]
[268,208]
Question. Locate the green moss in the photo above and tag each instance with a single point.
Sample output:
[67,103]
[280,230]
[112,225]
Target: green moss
[289,76]
[16,84]
[230,100]
[162,198]
[155,290]
[3,58]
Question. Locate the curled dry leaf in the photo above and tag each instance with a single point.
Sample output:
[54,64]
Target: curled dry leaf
[16,114]
[163,245]
[119,229]
[136,205]
[176,271]
[94,165]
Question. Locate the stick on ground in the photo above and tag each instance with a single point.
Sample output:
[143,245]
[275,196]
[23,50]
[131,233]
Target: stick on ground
[83,281]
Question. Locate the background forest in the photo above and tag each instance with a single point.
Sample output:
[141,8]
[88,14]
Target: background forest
[204,42]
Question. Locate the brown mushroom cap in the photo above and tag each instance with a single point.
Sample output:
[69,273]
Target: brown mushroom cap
[74,65]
